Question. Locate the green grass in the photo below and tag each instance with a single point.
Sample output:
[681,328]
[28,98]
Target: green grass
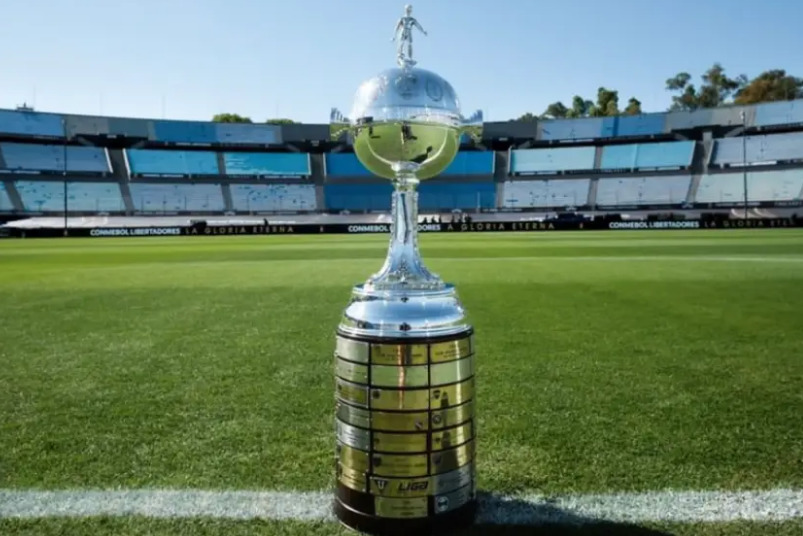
[618,361]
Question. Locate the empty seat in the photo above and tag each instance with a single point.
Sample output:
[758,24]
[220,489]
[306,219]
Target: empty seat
[628,191]
[758,149]
[531,161]
[762,186]
[189,197]
[267,164]
[159,162]
[44,196]
[5,201]
[545,193]
[273,197]
[31,124]
[54,158]
[344,165]
[446,196]
[359,197]
[661,155]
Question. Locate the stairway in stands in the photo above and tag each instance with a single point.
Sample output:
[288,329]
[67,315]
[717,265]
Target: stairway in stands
[120,172]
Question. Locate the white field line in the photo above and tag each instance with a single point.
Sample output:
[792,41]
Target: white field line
[659,506]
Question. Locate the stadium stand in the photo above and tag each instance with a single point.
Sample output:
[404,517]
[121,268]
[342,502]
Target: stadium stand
[344,165]
[235,133]
[634,125]
[150,197]
[572,129]
[185,132]
[647,156]
[471,163]
[46,196]
[641,191]
[54,158]
[534,161]
[762,186]
[31,124]
[545,193]
[171,163]
[267,164]
[5,202]
[446,196]
[273,197]
[779,113]
[763,149]
[358,197]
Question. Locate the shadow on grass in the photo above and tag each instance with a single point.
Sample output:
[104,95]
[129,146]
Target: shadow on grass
[498,516]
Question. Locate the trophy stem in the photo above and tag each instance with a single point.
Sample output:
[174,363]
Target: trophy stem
[404,269]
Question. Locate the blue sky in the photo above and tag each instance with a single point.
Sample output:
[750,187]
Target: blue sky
[183,59]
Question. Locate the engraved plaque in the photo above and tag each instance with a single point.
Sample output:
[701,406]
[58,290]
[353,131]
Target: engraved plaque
[400,399]
[452,437]
[352,415]
[350,478]
[352,458]
[351,392]
[352,372]
[445,418]
[400,487]
[385,442]
[390,376]
[451,395]
[452,480]
[400,422]
[353,436]
[449,460]
[352,350]
[400,464]
[398,354]
[401,508]
[452,371]
[448,351]
[454,499]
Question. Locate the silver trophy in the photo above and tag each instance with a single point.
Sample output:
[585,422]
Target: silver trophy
[404,358]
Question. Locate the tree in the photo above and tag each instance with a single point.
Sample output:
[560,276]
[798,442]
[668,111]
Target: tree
[527,118]
[770,86]
[633,107]
[556,110]
[715,90]
[607,103]
[580,107]
[279,122]
[230,118]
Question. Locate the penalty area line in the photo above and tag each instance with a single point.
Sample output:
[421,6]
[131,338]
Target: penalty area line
[658,506]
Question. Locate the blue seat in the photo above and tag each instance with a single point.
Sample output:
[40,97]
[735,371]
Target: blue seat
[758,149]
[661,155]
[471,163]
[189,197]
[31,124]
[5,201]
[32,157]
[545,193]
[358,197]
[158,162]
[273,197]
[344,165]
[779,113]
[530,161]
[267,164]
[44,196]
[445,196]
[574,129]
[766,186]
[628,191]
[187,132]
[246,134]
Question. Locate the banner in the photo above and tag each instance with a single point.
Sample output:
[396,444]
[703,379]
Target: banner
[473,227]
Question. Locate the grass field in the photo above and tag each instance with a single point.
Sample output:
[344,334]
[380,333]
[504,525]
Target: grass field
[607,362]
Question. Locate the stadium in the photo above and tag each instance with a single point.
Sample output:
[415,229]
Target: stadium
[170,291]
